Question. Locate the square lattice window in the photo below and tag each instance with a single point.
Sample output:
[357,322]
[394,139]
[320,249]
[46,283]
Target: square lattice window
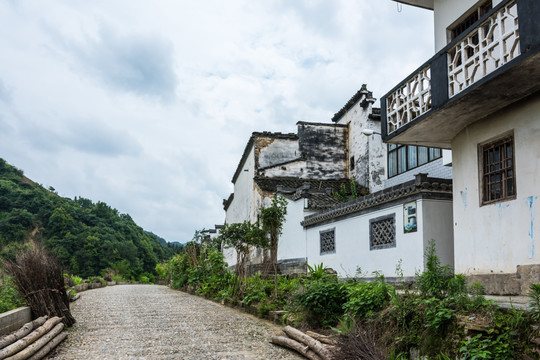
[328,241]
[382,232]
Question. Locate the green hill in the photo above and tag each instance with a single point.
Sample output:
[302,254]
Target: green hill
[89,238]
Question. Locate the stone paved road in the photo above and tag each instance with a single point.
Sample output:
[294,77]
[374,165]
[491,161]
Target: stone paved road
[155,322]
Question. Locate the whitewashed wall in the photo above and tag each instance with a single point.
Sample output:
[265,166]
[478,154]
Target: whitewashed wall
[369,151]
[292,242]
[495,238]
[446,13]
[240,208]
[437,218]
[353,244]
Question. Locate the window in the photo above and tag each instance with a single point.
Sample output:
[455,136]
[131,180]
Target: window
[402,158]
[382,232]
[462,25]
[328,241]
[497,170]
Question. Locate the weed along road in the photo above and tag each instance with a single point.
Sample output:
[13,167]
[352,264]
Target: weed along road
[155,322]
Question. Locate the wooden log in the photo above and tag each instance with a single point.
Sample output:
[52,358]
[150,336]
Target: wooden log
[322,338]
[38,344]
[22,332]
[51,345]
[29,339]
[313,344]
[296,346]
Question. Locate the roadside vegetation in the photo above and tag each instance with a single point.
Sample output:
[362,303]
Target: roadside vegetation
[437,318]
[89,239]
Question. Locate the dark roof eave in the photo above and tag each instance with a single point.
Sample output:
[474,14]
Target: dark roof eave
[430,185]
[353,100]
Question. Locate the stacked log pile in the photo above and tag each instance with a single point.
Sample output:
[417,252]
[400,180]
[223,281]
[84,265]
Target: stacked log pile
[311,345]
[34,340]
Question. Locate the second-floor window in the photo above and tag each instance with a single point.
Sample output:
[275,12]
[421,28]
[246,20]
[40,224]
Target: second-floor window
[473,15]
[402,158]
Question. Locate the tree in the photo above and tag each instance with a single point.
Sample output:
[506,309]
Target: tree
[243,237]
[273,218]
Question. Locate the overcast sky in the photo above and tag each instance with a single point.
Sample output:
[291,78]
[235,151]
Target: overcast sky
[148,105]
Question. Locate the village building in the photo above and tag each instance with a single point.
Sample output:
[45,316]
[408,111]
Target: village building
[410,203]
[479,96]
[314,159]
[407,209]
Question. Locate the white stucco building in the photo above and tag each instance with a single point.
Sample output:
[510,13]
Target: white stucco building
[314,159]
[479,96]
[410,203]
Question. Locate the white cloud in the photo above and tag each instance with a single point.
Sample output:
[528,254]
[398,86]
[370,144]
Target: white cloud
[148,106]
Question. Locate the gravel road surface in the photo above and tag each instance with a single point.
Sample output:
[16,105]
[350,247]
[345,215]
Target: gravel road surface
[155,322]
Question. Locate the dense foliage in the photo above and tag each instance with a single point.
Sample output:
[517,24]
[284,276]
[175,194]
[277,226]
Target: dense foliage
[89,238]
[9,295]
[375,319]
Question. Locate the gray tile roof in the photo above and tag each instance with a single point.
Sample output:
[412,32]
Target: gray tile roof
[422,185]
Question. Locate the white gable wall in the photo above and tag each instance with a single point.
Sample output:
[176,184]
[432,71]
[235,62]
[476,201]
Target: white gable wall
[368,151]
[495,238]
[292,242]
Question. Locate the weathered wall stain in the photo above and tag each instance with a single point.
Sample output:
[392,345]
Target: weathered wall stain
[530,201]
[464,198]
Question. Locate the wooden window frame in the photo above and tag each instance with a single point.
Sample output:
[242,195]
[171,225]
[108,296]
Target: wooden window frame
[468,19]
[490,169]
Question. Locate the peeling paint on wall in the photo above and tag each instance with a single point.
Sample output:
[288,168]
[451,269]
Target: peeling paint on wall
[530,201]
[464,198]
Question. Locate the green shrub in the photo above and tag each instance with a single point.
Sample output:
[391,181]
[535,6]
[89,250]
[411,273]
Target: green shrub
[434,281]
[365,298]
[9,295]
[534,300]
[257,289]
[77,280]
[323,300]
[491,346]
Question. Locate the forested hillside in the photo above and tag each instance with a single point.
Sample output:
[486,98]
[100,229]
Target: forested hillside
[89,238]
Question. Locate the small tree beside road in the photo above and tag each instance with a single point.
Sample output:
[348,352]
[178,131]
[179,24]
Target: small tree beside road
[273,219]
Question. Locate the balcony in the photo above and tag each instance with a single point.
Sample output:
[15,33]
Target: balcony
[495,63]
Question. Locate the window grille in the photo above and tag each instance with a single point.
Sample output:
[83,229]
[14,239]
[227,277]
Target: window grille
[382,232]
[498,175]
[328,241]
[466,23]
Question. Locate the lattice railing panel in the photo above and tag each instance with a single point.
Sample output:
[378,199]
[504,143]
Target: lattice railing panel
[488,47]
[410,100]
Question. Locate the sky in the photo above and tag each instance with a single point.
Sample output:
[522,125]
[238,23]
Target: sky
[148,105]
